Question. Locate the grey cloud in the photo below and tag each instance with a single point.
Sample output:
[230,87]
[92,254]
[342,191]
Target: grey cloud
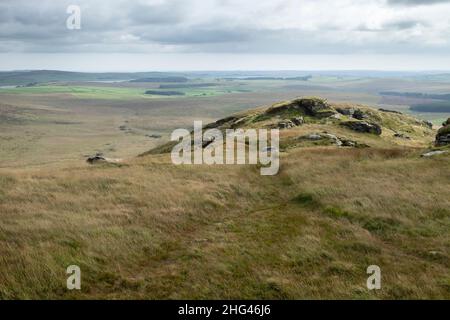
[137,26]
[166,13]
[200,35]
[394,26]
[416,2]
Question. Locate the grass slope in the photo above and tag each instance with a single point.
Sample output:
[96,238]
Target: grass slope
[148,229]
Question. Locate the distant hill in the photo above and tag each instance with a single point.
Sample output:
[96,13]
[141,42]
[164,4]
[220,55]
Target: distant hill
[14,78]
[162,79]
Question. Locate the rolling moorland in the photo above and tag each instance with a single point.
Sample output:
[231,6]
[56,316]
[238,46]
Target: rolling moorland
[345,197]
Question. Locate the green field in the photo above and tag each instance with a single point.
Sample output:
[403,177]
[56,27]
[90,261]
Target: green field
[95,92]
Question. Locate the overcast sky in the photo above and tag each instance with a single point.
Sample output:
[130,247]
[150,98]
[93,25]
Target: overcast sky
[122,35]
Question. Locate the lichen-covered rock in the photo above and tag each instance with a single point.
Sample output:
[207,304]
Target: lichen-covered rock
[285,124]
[443,135]
[359,114]
[314,136]
[346,111]
[298,121]
[316,107]
[311,106]
[363,127]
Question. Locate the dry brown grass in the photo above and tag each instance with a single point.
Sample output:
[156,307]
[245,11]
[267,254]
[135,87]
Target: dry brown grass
[148,229]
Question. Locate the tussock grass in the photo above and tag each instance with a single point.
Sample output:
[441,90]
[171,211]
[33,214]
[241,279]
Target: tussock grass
[149,229]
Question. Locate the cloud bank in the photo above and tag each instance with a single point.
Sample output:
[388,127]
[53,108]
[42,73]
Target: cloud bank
[288,27]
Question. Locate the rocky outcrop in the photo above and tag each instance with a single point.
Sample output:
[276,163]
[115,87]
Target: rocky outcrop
[353,113]
[316,107]
[96,159]
[338,141]
[359,114]
[443,135]
[298,121]
[363,127]
[99,158]
[311,106]
[287,124]
[346,111]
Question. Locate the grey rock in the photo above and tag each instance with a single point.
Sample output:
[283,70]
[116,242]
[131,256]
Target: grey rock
[314,136]
[349,143]
[285,124]
[442,139]
[346,111]
[443,135]
[363,127]
[433,153]
[298,121]
[359,114]
[428,124]
[97,158]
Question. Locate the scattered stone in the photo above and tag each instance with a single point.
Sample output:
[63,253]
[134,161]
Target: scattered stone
[433,153]
[363,127]
[123,127]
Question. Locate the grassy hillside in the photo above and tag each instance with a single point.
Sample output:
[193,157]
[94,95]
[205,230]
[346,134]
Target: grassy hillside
[145,228]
